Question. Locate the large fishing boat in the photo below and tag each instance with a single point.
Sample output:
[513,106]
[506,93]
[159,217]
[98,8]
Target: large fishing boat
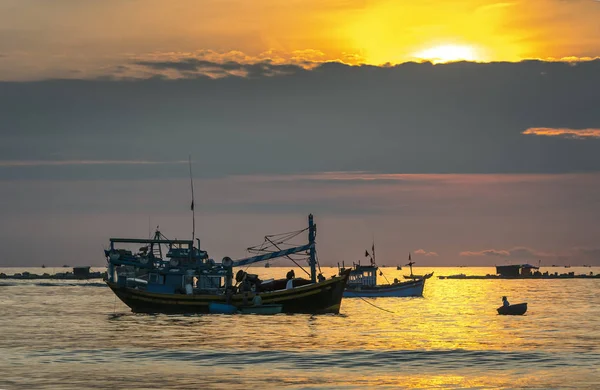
[362,282]
[187,280]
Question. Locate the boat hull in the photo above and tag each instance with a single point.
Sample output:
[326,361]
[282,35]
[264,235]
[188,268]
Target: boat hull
[407,289]
[513,310]
[262,309]
[426,276]
[315,298]
[221,308]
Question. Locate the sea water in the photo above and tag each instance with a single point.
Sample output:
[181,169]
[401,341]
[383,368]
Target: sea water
[76,334]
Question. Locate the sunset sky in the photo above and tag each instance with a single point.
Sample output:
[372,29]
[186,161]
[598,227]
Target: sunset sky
[465,132]
[69,38]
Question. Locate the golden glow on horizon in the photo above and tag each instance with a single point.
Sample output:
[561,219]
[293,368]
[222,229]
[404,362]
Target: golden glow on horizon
[448,53]
[392,32]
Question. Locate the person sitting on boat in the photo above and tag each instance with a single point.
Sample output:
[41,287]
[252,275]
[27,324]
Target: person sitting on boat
[290,279]
[257,300]
[505,302]
[229,294]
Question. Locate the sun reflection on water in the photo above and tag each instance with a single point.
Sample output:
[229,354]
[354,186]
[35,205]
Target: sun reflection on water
[451,337]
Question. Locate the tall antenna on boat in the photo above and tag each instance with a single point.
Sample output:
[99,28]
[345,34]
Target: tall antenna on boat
[193,213]
[373,252]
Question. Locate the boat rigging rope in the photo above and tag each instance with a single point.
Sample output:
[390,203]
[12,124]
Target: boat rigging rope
[377,307]
[288,256]
[386,279]
[277,238]
[318,264]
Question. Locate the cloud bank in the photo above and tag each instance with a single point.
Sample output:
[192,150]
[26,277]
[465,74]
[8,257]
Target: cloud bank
[565,133]
[411,118]
[517,252]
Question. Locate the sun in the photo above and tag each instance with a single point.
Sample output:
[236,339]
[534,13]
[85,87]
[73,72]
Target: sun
[448,53]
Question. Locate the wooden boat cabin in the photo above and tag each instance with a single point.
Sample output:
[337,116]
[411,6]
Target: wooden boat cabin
[363,275]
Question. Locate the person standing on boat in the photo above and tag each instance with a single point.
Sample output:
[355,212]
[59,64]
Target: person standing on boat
[505,302]
[290,279]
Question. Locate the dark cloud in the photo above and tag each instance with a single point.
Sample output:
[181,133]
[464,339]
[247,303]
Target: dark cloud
[518,253]
[487,252]
[193,67]
[410,118]
[566,256]
[592,255]
[522,253]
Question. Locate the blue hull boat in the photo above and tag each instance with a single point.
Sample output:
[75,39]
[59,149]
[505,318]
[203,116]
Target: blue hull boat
[221,308]
[362,282]
[406,289]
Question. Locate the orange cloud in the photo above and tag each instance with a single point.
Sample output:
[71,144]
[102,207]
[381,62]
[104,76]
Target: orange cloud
[563,132]
[425,253]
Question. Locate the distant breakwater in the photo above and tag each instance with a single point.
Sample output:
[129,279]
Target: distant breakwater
[570,275]
[58,275]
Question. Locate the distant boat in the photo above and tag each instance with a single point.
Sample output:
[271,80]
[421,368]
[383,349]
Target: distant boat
[399,268]
[415,277]
[513,310]
[43,265]
[458,276]
[362,282]
[267,265]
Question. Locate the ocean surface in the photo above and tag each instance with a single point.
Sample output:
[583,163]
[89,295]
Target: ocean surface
[76,334]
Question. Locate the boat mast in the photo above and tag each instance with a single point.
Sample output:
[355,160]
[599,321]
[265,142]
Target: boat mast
[312,231]
[373,253]
[193,212]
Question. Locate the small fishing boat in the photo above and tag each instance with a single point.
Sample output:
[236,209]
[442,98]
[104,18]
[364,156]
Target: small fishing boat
[398,268]
[413,276]
[262,309]
[513,310]
[362,282]
[267,265]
